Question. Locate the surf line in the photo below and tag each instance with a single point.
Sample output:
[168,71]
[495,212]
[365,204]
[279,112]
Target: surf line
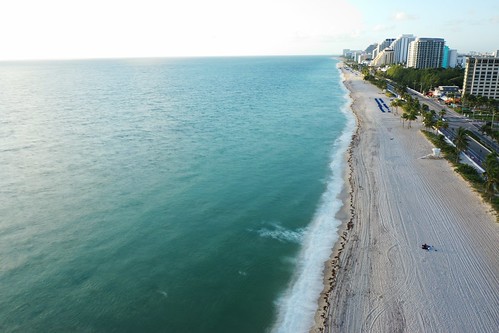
[298,306]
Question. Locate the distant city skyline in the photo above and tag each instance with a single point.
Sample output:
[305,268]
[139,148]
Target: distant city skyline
[56,29]
[464,26]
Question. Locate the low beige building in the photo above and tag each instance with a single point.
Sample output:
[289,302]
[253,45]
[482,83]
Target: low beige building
[385,57]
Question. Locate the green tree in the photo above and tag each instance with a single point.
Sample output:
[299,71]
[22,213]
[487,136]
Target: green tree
[411,116]
[401,89]
[404,117]
[461,141]
[425,79]
[428,120]
[485,129]
[481,102]
[491,109]
[396,103]
[441,124]
[491,167]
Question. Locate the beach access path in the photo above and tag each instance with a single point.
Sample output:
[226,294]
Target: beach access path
[384,281]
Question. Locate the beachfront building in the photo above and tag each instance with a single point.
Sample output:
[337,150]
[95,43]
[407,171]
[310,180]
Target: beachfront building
[363,58]
[461,60]
[400,47]
[351,54]
[385,57]
[347,53]
[481,77]
[450,58]
[381,46]
[369,50]
[426,53]
[366,56]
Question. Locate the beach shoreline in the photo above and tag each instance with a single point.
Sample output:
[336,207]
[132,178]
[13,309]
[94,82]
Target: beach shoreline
[345,215]
[377,277]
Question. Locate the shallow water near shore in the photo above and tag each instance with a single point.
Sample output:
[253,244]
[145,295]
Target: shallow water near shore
[178,195]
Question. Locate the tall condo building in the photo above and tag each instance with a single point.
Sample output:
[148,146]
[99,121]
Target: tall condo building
[369,50]
[481,77]
[426,53]
[400,47]
[381,46]
[450,58]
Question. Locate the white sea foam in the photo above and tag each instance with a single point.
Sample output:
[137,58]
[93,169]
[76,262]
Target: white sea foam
[282,234]
[297,306]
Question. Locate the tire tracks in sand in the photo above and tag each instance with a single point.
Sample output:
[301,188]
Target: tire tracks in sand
[384,282]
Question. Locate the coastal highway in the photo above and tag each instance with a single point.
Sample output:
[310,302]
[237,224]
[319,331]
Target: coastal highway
[476,151]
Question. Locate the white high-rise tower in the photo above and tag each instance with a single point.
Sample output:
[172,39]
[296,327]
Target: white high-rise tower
[400,47]
[426,53]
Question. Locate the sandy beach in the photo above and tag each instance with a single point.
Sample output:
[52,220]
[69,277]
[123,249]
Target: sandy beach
[379,279]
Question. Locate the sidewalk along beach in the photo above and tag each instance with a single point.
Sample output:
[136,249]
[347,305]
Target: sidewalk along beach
[378,278]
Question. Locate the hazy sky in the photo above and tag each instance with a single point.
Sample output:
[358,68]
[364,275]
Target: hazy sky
[53,29]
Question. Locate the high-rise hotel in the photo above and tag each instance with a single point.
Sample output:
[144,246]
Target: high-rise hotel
[426,53]
[400,47]
[481,77]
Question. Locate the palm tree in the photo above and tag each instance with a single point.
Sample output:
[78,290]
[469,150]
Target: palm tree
[482,101]
[428,120]
[491,167]
[493,115]
[415,106]
[445,124]
[461,141]
[404,118]
[485,129]
[469,103]
[441,124]
[438,124]
[396,103]
[442,113]
[400,89]
[412,115]
[491,108]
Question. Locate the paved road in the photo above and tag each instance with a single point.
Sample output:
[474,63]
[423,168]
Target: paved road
[476,151]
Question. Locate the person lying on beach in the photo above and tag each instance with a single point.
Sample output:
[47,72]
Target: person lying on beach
[426,247]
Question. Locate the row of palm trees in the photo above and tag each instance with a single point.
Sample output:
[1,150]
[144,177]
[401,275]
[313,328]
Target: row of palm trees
[482,104]
[431,120]
[479,102]
[412,108]
[491,174]
[491,164]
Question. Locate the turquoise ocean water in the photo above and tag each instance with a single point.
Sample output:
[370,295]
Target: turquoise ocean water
[168,195]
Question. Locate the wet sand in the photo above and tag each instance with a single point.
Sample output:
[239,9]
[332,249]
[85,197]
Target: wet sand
[379,279]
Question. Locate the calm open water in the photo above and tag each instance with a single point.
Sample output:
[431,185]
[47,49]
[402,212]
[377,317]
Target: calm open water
[168,195]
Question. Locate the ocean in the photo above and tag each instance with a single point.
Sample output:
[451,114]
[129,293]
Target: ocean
[168,194]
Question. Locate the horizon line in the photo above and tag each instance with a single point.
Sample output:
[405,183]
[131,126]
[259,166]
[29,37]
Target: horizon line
[170,57]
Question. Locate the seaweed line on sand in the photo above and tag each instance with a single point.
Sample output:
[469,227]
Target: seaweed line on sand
[334,264]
